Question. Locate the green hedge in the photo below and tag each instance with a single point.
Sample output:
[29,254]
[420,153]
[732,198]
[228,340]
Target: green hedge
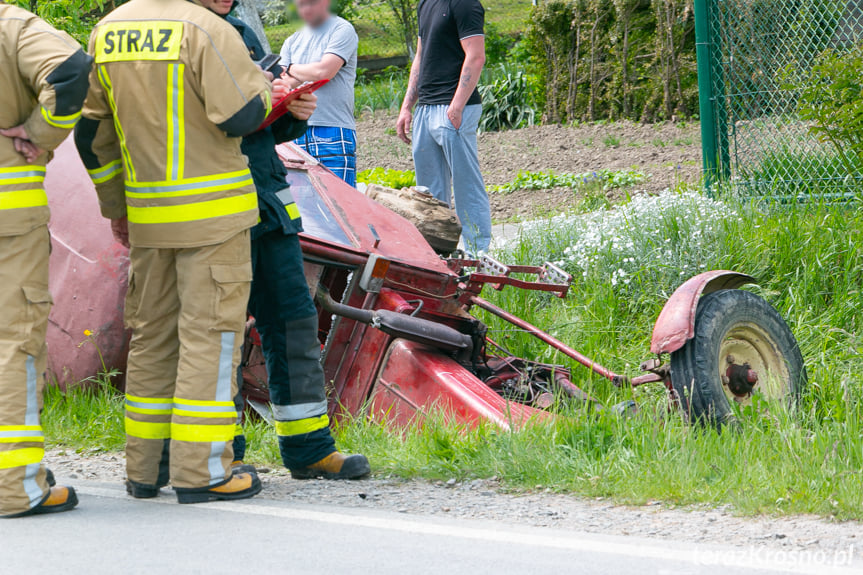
[615,59]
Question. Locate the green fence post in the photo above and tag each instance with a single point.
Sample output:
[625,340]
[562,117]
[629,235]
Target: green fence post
[705,92]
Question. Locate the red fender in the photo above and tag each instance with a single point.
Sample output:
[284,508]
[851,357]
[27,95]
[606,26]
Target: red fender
[676,323]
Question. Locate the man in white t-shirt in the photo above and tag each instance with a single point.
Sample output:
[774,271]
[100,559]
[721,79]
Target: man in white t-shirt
[326,47]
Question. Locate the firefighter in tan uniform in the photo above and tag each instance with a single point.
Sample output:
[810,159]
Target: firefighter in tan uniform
[171,93]
[43,82]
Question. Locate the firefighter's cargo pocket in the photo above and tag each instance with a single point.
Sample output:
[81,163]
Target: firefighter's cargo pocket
[39,302]
[232,283]
[132,303]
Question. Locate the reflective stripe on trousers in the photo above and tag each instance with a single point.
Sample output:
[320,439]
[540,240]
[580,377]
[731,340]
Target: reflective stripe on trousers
[28,192]
[31,432]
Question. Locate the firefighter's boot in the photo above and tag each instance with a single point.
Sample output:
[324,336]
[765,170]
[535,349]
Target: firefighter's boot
[336,465]
[239,486]
[238,467]
[59,499]
[146,491]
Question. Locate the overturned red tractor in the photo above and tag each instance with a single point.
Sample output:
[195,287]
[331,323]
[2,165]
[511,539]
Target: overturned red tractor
[397,334]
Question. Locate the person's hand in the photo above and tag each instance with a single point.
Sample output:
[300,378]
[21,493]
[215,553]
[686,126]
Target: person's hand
[267,74]
[454,115]
[282,86]
[303,107]
[23,144]
[403,125]
[120,229]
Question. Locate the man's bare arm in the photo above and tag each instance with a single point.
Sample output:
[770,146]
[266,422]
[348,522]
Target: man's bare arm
[325,69]
[474,60]
[403,124]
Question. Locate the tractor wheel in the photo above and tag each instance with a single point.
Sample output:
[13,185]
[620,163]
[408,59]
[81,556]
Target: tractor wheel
[741,347]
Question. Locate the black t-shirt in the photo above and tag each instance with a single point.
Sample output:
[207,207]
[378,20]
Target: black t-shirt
[443,24]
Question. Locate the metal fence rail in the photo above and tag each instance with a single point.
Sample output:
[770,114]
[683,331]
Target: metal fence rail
[753,56]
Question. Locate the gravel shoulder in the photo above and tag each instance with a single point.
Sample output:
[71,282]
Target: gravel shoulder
[488,500]
[667,152]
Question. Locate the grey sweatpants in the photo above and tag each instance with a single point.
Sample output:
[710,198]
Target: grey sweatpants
[447,163]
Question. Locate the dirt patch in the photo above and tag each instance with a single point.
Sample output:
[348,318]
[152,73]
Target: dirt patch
[667,152]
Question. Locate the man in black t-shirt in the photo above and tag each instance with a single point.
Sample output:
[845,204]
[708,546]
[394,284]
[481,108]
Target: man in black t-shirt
[444,74]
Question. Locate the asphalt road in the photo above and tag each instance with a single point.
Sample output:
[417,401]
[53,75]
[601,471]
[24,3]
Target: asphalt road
[112,533]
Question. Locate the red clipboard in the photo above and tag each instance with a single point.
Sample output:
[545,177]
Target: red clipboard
[280,108]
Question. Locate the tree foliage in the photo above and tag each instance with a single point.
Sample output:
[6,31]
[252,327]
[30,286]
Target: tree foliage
[615,59]
[76,17]
[831,100]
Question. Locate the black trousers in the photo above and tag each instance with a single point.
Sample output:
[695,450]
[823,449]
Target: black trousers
[287,321]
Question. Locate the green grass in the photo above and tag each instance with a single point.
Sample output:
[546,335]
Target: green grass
[383,91]
[808,259]
[784,171]
[611,141]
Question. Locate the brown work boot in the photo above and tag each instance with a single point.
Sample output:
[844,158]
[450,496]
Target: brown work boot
[59,499]
[335,466]
[239,486]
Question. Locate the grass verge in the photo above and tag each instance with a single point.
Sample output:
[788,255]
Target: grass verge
[809,259]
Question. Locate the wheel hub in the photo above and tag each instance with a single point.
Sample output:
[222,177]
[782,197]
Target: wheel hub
[740,379]
[752,360]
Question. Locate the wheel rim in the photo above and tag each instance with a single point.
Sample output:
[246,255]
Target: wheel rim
[749,343]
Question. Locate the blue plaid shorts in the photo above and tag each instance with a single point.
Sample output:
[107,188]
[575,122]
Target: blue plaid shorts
[336,148]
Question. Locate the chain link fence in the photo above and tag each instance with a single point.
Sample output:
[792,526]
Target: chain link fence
[754,59]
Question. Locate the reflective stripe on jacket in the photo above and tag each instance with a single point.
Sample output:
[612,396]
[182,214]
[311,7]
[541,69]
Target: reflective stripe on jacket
[43,74]
[172,91]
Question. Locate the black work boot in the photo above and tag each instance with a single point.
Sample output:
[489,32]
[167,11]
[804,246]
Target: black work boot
[239,486]
[336,465]
[239,467]
[147,491]
[59,499]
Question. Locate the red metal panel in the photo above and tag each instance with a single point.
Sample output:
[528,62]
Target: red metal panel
[89,273]
[676,323]
[415,379]
[399,239]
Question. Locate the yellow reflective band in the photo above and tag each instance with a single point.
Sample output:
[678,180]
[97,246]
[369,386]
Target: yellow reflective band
[109,92]
[106,172]
[208,414]
[203,402]
[191,212]
[193,191]
[19,169]
[302,426]
[293,211]
[32,179]
[65,122]
[202,433]
[169,401]
[24,439]
[129,41]
[147,429]
[21,457]
[238,430]
[268,102]
[148,410]
[21,434]
[23,199]
[175,121]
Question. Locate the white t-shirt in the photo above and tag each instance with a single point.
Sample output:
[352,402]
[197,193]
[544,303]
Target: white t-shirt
[308,45]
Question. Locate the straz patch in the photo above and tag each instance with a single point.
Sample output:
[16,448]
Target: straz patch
[129,41]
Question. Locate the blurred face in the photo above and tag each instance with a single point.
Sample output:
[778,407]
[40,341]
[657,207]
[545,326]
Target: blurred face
[220,7]
[313,12]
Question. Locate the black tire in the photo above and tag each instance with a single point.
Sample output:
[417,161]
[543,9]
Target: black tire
[734,319]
